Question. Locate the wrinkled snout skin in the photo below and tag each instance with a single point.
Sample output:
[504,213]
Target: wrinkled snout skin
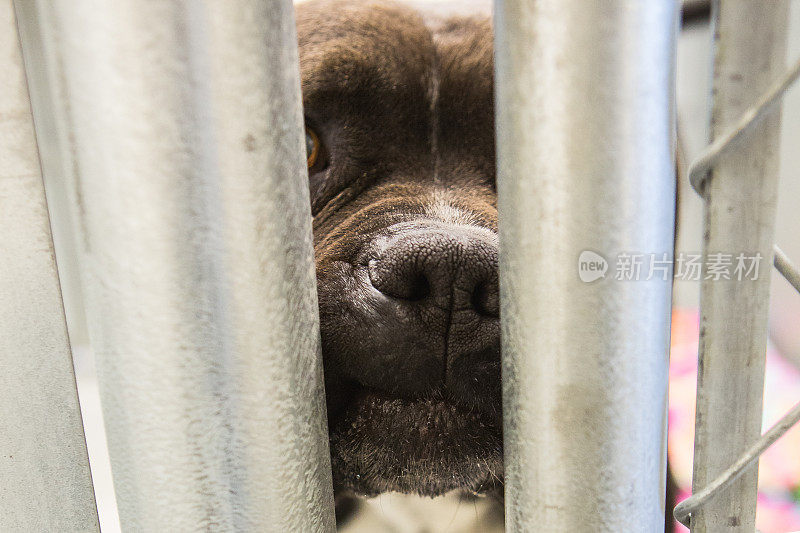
[405,232]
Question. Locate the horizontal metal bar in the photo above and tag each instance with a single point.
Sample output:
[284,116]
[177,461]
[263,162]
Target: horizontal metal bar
[684,510]
[585,162]
[45,482]
[192,188]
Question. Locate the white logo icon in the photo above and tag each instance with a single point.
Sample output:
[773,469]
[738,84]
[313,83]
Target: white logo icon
[591,266]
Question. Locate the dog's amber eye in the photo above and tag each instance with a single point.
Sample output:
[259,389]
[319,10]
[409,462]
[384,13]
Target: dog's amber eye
[312,147]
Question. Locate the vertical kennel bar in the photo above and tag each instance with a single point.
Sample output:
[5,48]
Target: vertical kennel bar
[191,189]
[585,162]
[739,218]
[45,482]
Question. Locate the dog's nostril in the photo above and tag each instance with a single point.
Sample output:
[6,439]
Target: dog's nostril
[418,288]
[404,283]
[486,299]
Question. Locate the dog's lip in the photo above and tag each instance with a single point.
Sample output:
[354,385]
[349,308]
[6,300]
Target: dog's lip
[428,445]
[429,415]
[367,392]
[362,394]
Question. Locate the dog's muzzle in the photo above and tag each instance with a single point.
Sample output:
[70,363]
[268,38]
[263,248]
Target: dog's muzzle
[431,292]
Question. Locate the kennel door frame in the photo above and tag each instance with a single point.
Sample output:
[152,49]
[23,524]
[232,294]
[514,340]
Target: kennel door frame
[740,192]
[740,206]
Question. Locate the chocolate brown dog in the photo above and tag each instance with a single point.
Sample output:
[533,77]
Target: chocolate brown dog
[400,132]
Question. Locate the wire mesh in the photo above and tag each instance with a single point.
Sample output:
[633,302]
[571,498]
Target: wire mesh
[698,177]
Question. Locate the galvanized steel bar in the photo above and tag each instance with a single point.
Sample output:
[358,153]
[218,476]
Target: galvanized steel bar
[192,189]
[45,483]
[739,217]
[585,162]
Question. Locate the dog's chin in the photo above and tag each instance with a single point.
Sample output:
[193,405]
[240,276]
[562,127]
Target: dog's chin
[424,446]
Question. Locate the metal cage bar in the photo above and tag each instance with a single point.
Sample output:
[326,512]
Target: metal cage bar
[585,162]
[186,137]
[685,509]
[739,219]
[46,484]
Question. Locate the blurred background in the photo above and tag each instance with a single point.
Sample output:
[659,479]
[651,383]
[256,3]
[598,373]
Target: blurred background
[780,469]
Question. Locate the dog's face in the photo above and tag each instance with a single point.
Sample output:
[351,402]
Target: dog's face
[401,166]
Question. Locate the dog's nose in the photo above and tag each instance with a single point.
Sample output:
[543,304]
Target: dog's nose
[418,314]
[451,268]
[433,320]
